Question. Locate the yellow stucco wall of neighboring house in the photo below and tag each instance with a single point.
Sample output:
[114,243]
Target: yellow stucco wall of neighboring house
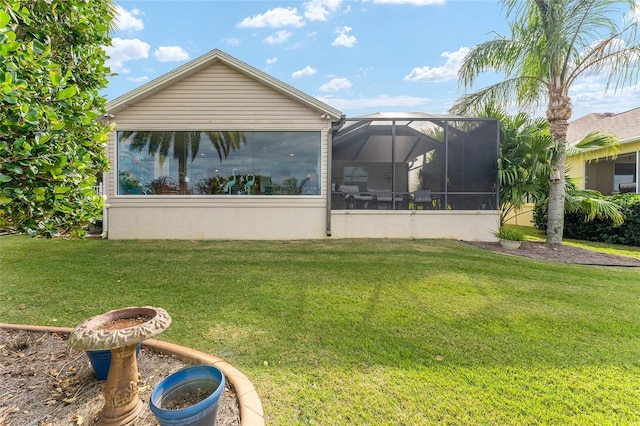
[601,170]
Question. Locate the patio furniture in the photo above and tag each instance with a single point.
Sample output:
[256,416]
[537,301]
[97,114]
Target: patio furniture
[354,198]
[627,187]
[422,197]
[384,198]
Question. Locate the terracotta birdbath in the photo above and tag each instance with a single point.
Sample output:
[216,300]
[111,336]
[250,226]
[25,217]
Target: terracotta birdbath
[120,331]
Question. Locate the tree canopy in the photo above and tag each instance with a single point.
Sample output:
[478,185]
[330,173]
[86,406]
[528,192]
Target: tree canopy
[52,138]
[552,44]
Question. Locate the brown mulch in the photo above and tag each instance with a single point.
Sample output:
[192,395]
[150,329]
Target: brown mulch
[561,253]
[43,381]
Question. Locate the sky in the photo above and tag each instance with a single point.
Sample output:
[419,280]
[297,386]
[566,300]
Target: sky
[358,56]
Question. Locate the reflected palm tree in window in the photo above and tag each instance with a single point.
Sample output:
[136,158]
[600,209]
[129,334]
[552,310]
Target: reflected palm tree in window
[185,146]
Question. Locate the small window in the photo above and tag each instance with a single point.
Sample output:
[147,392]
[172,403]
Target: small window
[623,173]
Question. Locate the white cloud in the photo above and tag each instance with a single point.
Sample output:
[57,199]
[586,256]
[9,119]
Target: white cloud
[411,2]
[278,38]
[344,39]
[170,54]
[232,41]
[122,50]
[305,72]
[589,95]
[274,18]
[140,79]
[319,10]
[448,71]
[125,20]
[335,84]
[272,61]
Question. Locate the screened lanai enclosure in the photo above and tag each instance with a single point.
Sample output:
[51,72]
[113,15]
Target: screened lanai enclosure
[415,161]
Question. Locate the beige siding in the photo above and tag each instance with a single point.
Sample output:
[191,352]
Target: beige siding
[219,98]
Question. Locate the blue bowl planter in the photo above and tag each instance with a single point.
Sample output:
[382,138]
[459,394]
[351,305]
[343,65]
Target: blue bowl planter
[182,382]
[101,361]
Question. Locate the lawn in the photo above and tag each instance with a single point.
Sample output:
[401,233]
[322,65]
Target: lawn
[360,332]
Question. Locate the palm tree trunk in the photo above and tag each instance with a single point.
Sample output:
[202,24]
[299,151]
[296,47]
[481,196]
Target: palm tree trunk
[555,211]
[558,114]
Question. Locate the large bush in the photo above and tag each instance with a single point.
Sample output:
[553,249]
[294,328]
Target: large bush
[577,227]
[52,143]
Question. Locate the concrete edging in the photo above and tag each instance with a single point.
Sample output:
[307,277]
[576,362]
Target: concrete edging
[251,412]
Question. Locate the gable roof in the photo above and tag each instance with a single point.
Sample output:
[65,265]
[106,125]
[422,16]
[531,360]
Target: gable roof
[625,126]
[205,61]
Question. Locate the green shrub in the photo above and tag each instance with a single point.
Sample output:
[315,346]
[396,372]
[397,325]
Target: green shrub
[576,226]
[512,234]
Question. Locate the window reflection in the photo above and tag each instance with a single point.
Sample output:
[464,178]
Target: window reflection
[219,163]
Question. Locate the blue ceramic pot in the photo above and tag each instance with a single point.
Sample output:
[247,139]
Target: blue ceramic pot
[203,413]
[101,361]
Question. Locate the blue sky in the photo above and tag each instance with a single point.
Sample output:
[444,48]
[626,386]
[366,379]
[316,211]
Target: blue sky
[360,56]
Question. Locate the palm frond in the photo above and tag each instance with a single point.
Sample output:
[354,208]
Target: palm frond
[595,140]
[593,205]
[525,91]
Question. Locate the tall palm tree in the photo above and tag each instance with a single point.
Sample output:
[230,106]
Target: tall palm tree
[552,44]
[185,145]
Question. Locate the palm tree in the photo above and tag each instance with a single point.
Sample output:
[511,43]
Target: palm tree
[185,145]
[552,44]
[524,164]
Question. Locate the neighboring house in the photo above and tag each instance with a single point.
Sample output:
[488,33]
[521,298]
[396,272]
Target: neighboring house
[217,149]
[600,170]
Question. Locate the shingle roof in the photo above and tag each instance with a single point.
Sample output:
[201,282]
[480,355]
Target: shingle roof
[625,126]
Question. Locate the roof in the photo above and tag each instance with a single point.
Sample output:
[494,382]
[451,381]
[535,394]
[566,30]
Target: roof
[408,116]
[205,61]
[625,126]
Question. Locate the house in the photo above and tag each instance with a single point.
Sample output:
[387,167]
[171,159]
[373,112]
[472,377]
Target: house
[599,170]
[217,149]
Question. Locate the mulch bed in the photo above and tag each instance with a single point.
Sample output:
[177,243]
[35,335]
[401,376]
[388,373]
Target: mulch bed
[561,253]
[45,382]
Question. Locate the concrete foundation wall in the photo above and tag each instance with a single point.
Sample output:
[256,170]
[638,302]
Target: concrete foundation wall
[273,221]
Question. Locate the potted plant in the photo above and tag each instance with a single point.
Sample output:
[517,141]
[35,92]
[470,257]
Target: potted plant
[510,238]
[190,396]
[101,361]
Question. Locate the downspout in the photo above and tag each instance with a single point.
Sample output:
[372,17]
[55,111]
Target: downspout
[105,178]
[334,128]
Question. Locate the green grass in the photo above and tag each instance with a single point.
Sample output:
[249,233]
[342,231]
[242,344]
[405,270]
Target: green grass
[390,332]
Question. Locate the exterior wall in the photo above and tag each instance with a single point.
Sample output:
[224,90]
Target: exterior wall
[204,218]
[603,170]
[522,217]
[216,98]
[451,224]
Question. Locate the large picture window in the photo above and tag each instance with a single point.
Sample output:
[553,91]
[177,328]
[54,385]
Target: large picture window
[218,163]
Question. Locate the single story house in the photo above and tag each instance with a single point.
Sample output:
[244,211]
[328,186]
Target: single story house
[599,170]
[217,149]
